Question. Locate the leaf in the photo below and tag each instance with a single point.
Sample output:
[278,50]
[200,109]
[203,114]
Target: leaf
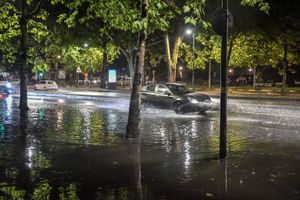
[186,9]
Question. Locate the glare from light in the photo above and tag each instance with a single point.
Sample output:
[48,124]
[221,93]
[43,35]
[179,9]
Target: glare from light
[59,56]
[250,69]
[112,120]
[187,161]
[61,101]
[29,156]
[192,100]
[194,129]
[8,84]
[86,44]
[189,31]
[59,122]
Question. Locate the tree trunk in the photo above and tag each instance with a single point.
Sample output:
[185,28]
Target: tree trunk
[23,106]
[254,77]
[209,74]
[230,48]
[133,124]
[172,56]
[102,83]
[168,56]
[285,69]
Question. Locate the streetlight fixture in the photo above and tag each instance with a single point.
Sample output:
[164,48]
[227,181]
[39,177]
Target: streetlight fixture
[85,45]
[191,32]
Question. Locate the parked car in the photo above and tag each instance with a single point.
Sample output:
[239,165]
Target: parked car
[46,85]
[176,97]
[4,92]
[11,85]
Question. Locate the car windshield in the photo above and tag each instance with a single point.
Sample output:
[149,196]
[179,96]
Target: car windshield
[178,89]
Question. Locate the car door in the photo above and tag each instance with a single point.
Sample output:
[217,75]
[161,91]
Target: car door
[41,85]
[164,97]
[50,85]
[149,94]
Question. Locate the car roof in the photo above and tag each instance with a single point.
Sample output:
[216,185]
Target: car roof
[176,84]
[45,80]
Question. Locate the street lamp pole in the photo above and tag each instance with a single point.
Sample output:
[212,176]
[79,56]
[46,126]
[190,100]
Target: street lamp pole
[193,66]
[189,32]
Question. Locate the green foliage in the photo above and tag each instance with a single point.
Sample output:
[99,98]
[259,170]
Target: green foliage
[42,191]
[71,58]
[207,47]
[68,193]
[195,11]
[12,191]
[262,4]
[123,15]
[249,50]
[40,65]
[88,59]
[91,60]
[155,58]
[9,23]
[10,30]
[37,30]
[112,52]
[253,49]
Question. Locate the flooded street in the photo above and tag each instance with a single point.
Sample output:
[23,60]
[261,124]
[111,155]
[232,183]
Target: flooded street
[75,149]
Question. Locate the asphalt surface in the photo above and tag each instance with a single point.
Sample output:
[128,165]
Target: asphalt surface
[91,93]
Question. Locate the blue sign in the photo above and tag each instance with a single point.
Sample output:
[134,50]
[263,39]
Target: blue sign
[112,76]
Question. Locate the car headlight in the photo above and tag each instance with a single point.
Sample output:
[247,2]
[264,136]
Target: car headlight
[193,100]
[8,85]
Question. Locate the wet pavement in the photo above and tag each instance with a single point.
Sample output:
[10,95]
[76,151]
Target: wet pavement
[75,149]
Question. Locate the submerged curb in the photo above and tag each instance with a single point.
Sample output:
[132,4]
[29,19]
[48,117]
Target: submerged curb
[274,98]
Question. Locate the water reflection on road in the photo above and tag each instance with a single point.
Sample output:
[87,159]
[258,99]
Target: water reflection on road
[75,149]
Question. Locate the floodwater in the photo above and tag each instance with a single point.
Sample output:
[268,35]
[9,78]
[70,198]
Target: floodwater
[75,149]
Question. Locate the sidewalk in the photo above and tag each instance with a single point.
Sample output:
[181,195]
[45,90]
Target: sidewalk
[265,93]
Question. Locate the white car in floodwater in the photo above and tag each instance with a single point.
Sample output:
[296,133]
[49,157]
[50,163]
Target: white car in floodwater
[46,85]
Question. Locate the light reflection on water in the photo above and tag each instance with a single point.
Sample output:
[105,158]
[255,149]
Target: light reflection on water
[77,149]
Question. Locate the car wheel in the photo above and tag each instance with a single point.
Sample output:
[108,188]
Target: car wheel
[177,106]
[35,88]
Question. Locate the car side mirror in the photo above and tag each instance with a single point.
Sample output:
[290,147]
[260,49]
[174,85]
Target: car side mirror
[167,93]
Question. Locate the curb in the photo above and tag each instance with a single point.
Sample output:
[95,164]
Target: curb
[275,98]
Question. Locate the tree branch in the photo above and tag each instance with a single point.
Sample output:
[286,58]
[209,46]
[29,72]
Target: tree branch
[36,10]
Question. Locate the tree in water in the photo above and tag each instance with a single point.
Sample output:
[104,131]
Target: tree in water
[23,105]
[134,116]
[23,22]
